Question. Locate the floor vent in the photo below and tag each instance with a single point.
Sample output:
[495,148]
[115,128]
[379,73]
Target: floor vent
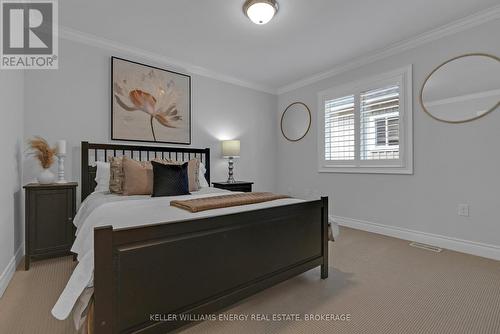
[426,247]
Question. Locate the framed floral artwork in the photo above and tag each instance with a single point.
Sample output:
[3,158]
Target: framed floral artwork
[149,104]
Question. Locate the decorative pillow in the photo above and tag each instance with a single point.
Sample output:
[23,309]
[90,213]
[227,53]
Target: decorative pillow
[102,176]
[137,177]
[140,175]
[201,176]
[170,179]
[193,172]
[116,175]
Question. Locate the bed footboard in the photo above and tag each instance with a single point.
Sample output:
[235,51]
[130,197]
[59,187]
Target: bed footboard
[146,278]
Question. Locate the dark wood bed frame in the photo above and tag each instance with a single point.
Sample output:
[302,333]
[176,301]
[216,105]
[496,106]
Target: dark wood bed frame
[146,277]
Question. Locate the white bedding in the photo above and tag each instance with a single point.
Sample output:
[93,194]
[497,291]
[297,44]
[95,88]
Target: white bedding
[101,209]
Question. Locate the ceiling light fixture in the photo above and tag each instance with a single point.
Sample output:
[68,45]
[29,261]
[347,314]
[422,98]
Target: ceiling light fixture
[260,11]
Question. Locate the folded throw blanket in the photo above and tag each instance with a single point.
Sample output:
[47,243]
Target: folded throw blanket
[225,201]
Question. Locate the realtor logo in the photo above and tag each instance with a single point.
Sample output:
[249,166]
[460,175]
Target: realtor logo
[29,38]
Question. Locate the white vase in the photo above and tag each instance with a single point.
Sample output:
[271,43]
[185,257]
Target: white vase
[46,177]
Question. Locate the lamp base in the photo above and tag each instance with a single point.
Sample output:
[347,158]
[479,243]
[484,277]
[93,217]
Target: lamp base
[230,178]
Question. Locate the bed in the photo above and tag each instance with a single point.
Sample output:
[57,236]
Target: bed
[148,270]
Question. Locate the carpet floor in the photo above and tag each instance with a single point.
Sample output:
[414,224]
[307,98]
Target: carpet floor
[377,284]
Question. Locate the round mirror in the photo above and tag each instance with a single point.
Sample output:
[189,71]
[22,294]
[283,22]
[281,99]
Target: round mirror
[463,88]
[295,121]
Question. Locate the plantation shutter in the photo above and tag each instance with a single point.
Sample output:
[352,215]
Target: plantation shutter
[367,125]
[379,123]
[339,129]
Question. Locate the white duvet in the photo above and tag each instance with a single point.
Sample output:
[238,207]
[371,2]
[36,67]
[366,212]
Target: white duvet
[101,209]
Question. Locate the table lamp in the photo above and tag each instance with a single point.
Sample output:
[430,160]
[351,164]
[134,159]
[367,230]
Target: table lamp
[231,150]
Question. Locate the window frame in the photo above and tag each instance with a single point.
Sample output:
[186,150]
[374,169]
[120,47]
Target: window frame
[403,165]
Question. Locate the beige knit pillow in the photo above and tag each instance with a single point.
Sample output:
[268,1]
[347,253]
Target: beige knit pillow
[116,175]
[194,174]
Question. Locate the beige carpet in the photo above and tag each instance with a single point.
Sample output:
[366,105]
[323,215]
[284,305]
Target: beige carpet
[385,285]
[26,304]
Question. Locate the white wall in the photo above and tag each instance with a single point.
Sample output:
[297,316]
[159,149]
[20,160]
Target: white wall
[11,138]
[73,103]
[453,163]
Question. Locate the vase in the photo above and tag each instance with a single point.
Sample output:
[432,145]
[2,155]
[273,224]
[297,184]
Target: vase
[46,177]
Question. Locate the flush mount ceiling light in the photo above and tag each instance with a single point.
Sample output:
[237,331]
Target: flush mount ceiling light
[260,11]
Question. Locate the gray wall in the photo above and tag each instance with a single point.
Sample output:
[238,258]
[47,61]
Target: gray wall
[453,163]
[73,103]
[11,137]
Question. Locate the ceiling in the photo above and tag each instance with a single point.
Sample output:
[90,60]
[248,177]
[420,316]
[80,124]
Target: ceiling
[305,38]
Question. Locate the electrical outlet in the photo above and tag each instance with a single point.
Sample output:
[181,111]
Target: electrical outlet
[463,210]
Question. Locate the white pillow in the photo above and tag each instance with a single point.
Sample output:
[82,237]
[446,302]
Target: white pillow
[201,176]
[102,176]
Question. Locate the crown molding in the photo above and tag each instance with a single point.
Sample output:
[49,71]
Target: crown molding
[103,43]
[454,27]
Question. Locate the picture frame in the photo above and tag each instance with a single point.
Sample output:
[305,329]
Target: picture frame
[149,104]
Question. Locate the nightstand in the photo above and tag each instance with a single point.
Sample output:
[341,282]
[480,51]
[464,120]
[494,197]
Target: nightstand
[235,186]
[50,210]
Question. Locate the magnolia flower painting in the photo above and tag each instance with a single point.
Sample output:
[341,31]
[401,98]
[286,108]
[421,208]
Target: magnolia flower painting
[150,104]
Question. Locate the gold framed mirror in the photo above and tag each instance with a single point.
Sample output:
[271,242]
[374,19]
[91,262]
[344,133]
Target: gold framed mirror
[295,121]
[463,88]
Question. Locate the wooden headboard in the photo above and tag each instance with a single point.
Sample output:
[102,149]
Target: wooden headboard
[100,152]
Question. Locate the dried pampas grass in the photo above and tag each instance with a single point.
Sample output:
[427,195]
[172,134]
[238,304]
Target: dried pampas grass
[40,149]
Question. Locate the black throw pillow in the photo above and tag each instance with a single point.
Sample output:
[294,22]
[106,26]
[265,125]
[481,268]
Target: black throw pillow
[170,180]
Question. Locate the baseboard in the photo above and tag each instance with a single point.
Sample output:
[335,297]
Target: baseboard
[10,269]
[459,245]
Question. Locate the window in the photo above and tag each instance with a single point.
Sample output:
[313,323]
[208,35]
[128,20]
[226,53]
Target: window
[367,126]
[387,131]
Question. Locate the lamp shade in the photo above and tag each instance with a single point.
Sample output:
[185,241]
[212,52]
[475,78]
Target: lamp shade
[231,148]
